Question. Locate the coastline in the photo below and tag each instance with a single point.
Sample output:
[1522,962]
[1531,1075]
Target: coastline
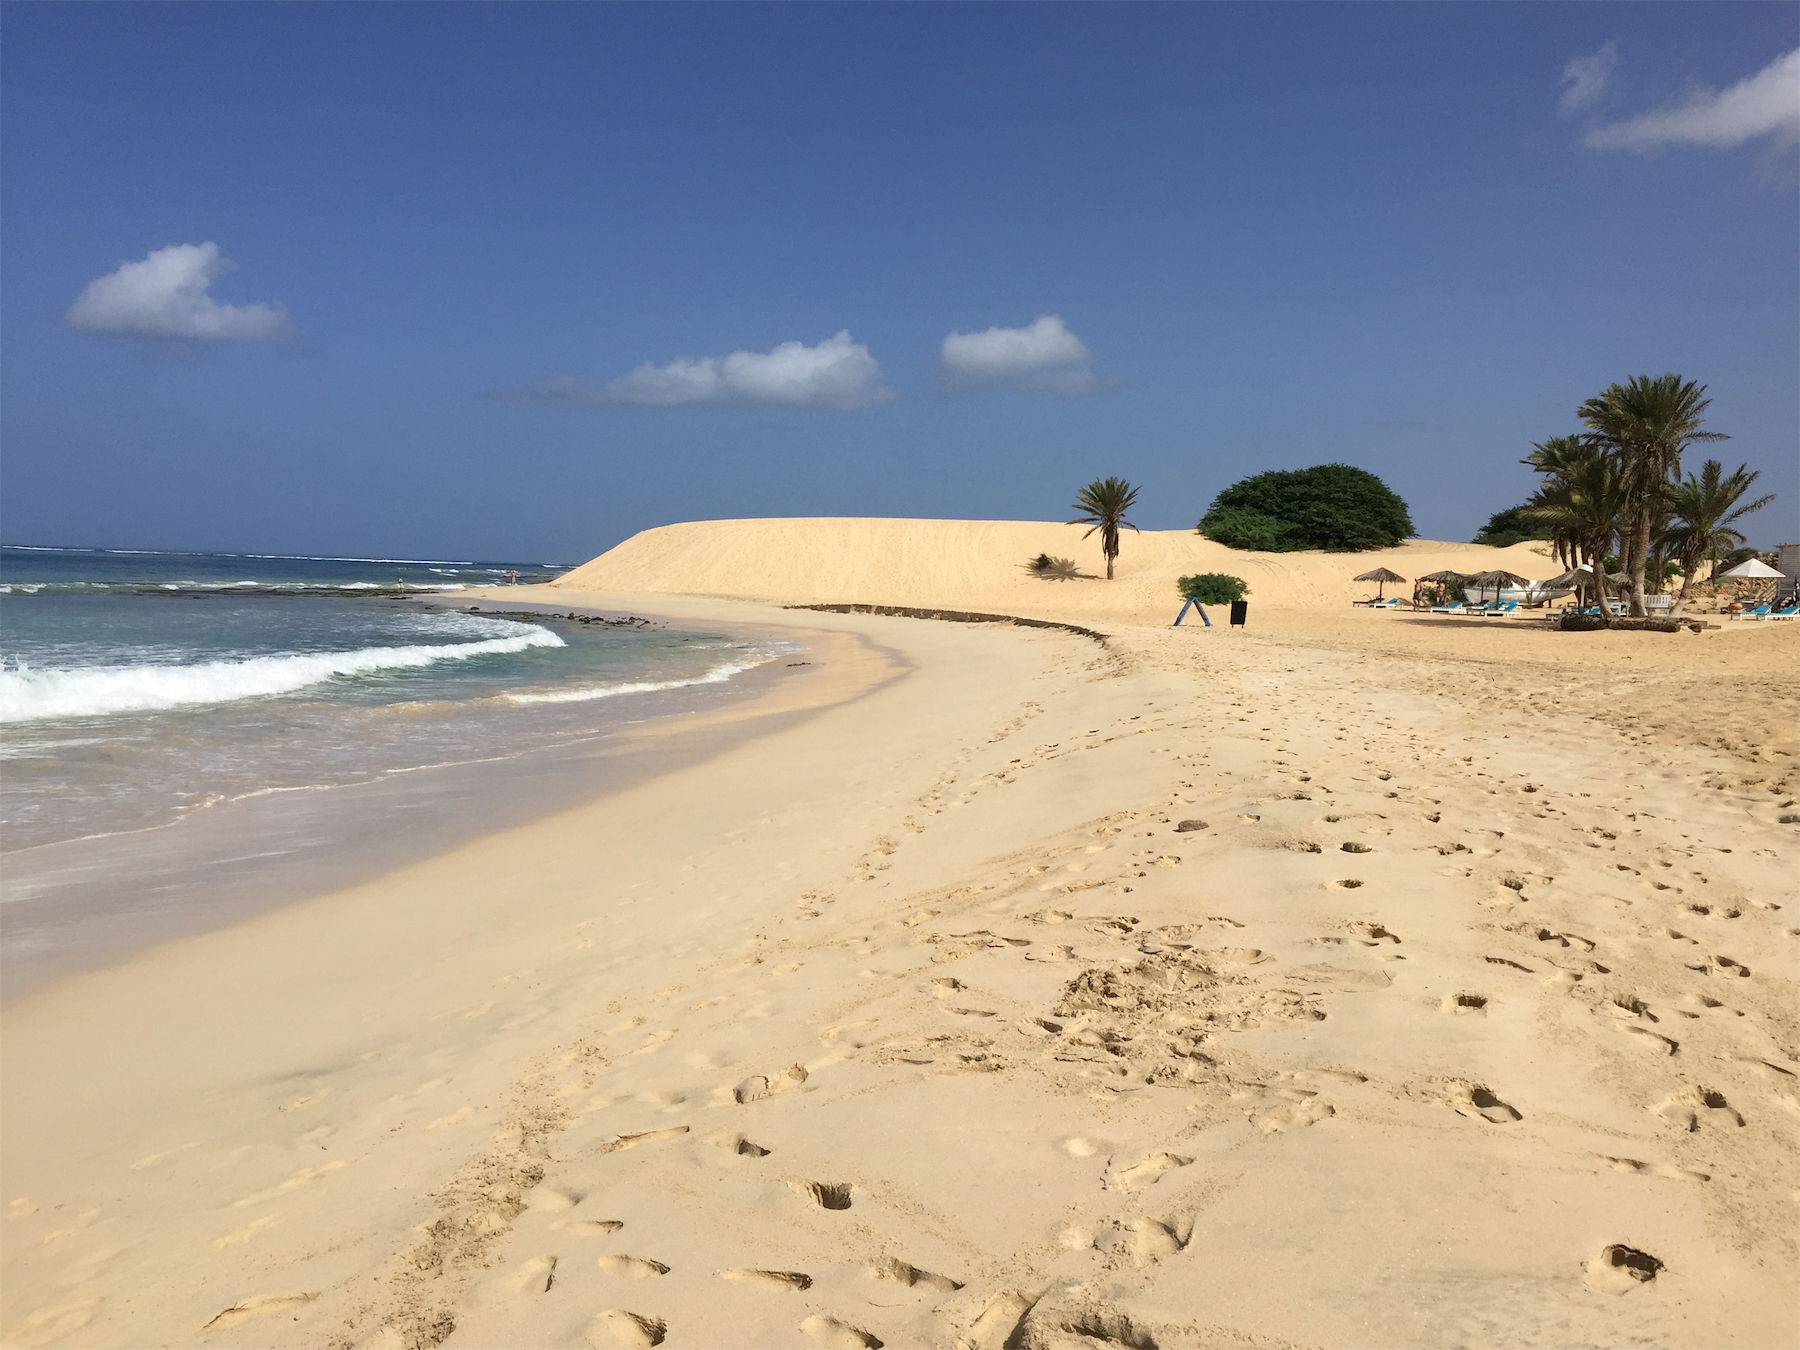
[926,1000]
[65,910]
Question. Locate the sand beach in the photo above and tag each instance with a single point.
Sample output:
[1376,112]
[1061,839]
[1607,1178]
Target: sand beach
[1355,979]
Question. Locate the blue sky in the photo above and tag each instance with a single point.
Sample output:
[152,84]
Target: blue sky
[480,270]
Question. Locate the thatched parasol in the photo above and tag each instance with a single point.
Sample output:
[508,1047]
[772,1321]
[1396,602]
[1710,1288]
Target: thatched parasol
[1381,576]
[1446,577]
[1496,579]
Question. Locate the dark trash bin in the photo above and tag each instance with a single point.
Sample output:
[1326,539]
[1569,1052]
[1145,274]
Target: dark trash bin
[1239,608]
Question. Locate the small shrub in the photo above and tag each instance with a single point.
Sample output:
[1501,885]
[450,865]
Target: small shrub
[1042,563]
[1213,588]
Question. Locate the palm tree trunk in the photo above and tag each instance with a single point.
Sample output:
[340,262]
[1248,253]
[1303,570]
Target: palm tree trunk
[1597,561]
[1690,564]
[1640,558]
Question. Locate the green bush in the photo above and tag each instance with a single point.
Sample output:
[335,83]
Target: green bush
[1509,527]
[1334,507]
[1213,588]
[1252,531]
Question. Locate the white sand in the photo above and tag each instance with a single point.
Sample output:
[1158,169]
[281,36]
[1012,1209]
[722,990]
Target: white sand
[922,1022]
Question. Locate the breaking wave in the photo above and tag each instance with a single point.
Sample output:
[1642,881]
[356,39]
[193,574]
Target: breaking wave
[93,691]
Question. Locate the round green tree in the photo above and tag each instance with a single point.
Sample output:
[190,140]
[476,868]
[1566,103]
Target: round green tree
[1334,507]
[1514,525]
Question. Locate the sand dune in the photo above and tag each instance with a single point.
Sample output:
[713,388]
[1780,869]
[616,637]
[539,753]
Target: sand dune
[981,564]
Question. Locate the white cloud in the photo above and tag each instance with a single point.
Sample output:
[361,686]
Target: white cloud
[1042,355]
[1586,77]
[165,296]
[1766,103]
[837,373]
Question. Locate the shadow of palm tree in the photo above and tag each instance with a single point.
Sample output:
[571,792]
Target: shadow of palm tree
[1047,568]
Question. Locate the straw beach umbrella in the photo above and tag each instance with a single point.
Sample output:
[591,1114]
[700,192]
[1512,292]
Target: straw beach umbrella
[1445,577]
[1497,580]
[1381,576]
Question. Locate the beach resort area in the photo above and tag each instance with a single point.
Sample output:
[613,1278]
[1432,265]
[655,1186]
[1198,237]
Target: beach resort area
[1352,977]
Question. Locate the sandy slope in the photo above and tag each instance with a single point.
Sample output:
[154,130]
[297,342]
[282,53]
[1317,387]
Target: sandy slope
[924,1021]
[977,564]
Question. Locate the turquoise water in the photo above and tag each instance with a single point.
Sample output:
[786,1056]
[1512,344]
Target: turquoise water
[139,688]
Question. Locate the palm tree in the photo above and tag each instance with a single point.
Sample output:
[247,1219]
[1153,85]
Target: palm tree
[1561,457]
[1581,500]
[1103,504]
[1645,424]
[1705,508]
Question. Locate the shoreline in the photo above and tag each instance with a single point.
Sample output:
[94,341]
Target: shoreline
[1048,995]
[220,880]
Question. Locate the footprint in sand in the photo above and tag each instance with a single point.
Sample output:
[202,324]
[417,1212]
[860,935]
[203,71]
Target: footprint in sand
[631,1267]
[1149,1171]
[910,1276]
[1720,965]
[302,1178]
[999,1323]
[736,1143]
[256,1307]
[1152,1240]
[1618,1269]
[1653,1169]
[616,1327]
[1646,1039]
[831,1334]
[758,1086]
[789,1281]
[1296,1117]
[49,1324]
[535,1276]
[1480,1103]
[625,1141]
[1698,1108]
[824,1194]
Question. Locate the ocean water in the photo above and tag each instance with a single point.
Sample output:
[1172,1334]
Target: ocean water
[140,692]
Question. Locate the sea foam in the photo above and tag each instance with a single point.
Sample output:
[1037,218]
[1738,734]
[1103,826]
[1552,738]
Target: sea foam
[92,691]
[585,693]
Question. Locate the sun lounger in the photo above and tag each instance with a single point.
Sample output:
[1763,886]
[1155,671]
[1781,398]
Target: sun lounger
[1791,612]
[1445,609]
[1760,612]
[1500,610]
